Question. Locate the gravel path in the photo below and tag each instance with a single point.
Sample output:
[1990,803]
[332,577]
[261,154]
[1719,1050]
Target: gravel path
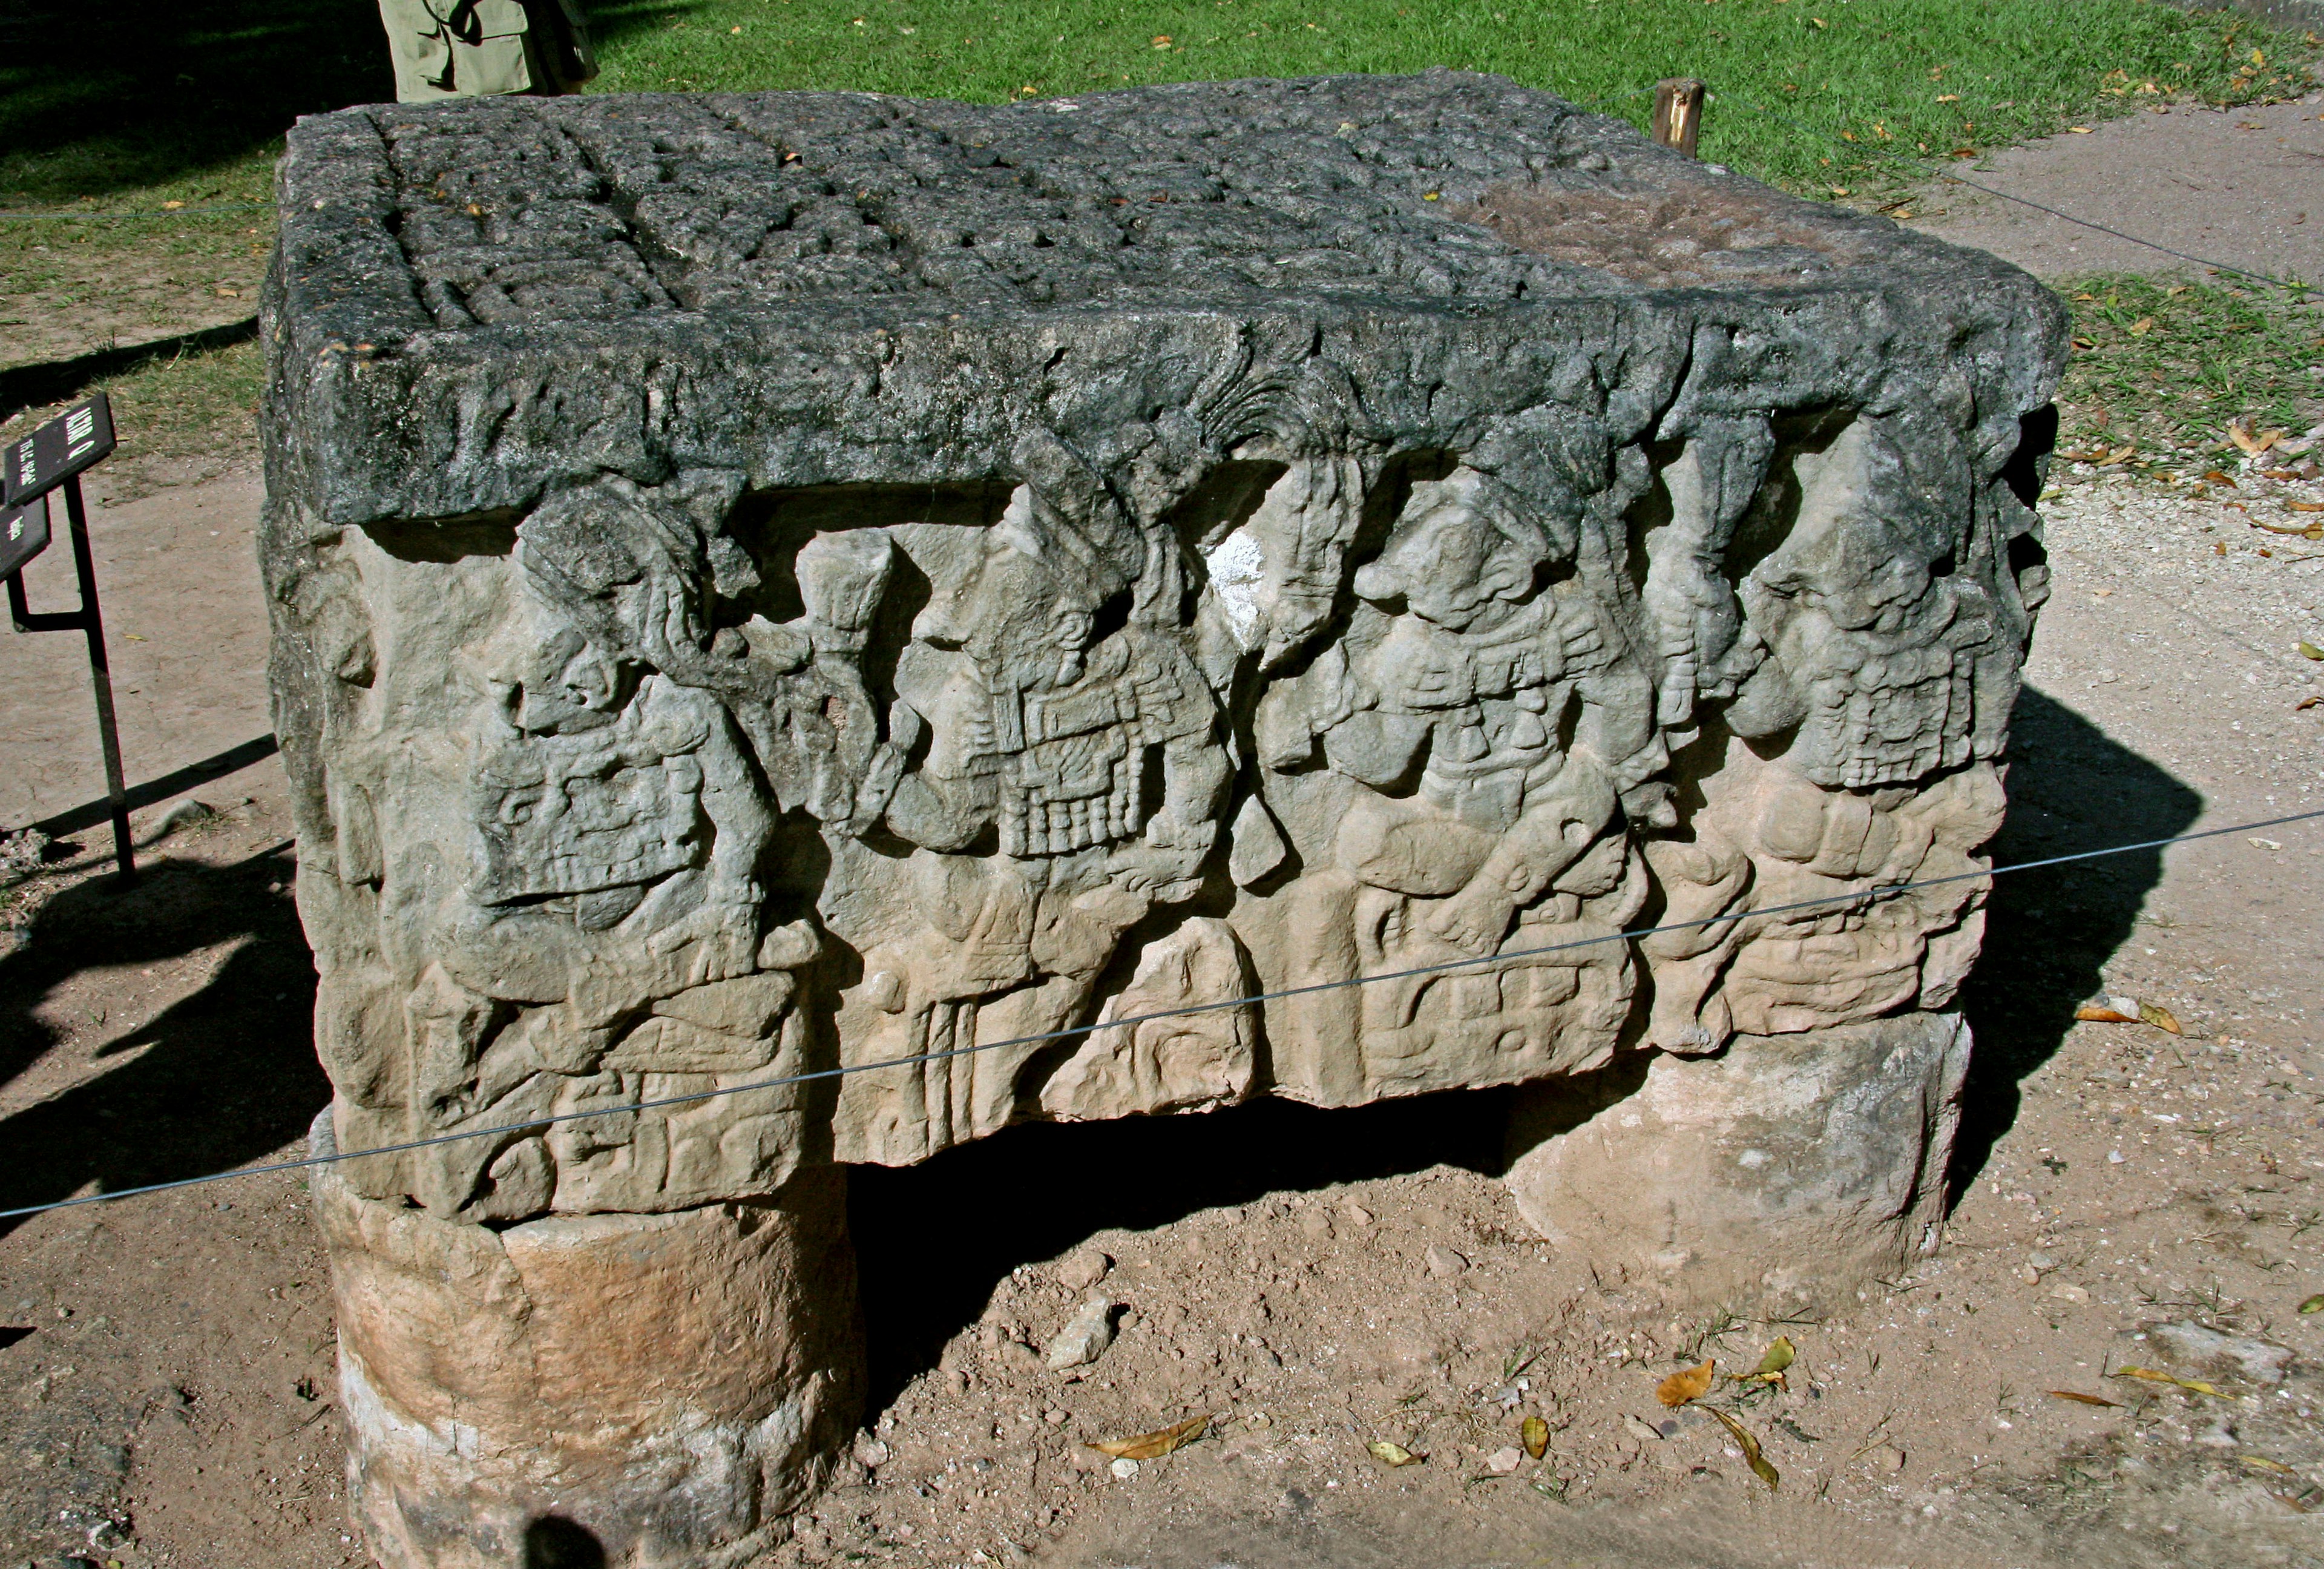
[2244,186]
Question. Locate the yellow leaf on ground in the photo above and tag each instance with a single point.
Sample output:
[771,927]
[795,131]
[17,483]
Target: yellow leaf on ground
[2077,1395]
[1535,1432]
[1749,1446]
[2309,650]
[1690,1385]
[2160,1017]
[2261,1462]
[2314,1303]
[1770,1371]
[2153,1377]
[2142,327]
[1389,1453]
[1154,1445]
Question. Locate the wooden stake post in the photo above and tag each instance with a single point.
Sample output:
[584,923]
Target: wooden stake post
[1678,112]
[50,459]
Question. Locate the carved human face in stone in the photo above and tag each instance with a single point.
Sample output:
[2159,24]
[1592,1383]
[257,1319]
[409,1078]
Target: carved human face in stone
[550,679]
[1458,557]
[1014,614]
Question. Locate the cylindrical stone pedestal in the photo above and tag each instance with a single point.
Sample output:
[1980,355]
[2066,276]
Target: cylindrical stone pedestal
[634,1392]
[1786,1170]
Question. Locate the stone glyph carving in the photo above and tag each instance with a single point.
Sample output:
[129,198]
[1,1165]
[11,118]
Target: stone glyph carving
[771,586]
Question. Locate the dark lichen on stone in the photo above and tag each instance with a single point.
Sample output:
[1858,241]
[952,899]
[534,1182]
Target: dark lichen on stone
[475,300]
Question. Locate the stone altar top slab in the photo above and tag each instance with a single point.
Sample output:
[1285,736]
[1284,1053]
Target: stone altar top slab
[618,261]
[764,583]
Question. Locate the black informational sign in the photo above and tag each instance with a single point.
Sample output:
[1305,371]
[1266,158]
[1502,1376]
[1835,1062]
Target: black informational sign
[23,534]
[50,458]
[72,441]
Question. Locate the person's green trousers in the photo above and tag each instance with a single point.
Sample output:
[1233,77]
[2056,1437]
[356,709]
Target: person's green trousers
[447,49]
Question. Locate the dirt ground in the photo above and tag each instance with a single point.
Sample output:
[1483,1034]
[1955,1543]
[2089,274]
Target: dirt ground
[1312,1282]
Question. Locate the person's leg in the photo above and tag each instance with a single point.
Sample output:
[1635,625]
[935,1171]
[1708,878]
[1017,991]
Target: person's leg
[421,49]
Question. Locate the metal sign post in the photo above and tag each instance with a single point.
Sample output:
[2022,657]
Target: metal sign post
[50,459]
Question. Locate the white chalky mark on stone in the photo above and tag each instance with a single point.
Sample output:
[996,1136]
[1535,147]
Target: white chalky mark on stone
[1238,578]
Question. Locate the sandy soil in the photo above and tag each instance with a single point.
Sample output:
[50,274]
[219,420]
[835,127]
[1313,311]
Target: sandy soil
[1311,1282]
[167,1367]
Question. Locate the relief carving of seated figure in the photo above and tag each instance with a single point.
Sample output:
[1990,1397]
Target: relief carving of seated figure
[613,925]
[1029,743]
[1474,816]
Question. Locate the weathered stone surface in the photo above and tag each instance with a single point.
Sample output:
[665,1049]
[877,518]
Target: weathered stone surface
[766,584]
[666,1386]
[1781,1171]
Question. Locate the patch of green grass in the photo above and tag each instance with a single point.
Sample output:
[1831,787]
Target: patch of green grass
[178,405]
[1861,77]
[2164,366]
[198,404]
[125,107]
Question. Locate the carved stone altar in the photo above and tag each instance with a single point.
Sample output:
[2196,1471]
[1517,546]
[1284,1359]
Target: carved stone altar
[769,583]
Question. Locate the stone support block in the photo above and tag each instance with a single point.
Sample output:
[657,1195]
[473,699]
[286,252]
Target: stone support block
[771,583]
[1780,1174]
[654,1390]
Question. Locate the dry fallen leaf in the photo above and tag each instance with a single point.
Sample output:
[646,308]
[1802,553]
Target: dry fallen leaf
[2128,1011]
[2306,703]
[1770,1371]
[2119,452]
[2304,506]
[2085,1399]
[2153,1377]
[2309,650]
[1154,1445]
[1690,1385]
[2251,442]
[2296,530]
[2142,327]
[1535,1432]
[1389,1453]
[2213,477]
[1749,1446]
[2261,1462]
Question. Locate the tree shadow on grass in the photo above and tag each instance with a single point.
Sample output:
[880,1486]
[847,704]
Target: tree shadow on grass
[95,100]
[2049,933]
[221,1077]
[932,1241]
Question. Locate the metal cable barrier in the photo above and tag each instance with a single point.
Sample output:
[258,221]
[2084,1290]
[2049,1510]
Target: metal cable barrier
[1858,899]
